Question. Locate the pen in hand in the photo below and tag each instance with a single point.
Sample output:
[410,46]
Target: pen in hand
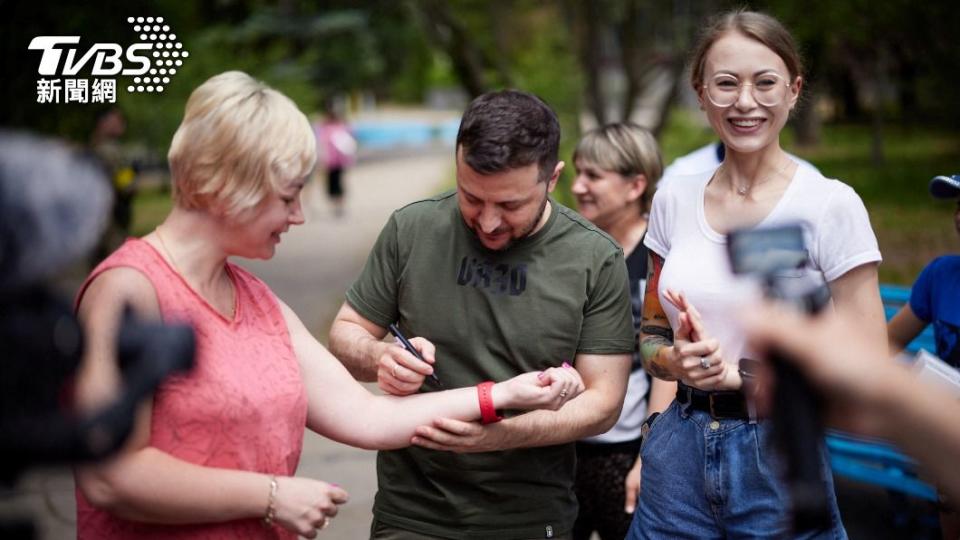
[412,350]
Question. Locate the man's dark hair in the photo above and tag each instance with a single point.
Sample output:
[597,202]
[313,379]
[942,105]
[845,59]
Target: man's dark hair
[507,130]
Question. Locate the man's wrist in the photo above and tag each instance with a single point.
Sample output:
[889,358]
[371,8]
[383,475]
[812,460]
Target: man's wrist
[375,350]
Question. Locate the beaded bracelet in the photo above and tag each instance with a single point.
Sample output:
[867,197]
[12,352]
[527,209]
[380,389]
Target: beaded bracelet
[271,513]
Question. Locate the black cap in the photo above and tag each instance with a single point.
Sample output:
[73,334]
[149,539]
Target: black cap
[945,187]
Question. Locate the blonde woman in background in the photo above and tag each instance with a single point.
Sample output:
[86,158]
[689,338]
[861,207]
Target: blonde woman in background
[617,168]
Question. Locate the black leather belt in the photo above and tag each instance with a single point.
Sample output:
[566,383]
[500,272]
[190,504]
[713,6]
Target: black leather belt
[720,405]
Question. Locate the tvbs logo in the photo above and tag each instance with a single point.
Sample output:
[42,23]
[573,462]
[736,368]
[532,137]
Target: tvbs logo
[106,57]
[151,62]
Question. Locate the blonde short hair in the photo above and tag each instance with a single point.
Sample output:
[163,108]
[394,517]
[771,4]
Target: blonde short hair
[239,141]
[626,149]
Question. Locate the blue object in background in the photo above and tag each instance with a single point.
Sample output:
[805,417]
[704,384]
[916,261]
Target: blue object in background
[390,135]
[875,461]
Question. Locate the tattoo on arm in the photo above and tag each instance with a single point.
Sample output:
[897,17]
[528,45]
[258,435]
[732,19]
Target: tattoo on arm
[651,296]
[655,338]
[650,347]
[655,332]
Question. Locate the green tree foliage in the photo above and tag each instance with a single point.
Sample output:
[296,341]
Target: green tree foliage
[20,23]
[894,60]
[309,50]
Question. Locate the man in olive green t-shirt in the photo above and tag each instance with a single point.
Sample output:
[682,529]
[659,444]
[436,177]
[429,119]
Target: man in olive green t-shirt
[493,279]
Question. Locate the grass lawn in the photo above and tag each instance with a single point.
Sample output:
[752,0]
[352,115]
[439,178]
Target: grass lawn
[911,226]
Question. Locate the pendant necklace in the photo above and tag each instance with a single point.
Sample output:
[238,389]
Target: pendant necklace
[744,190]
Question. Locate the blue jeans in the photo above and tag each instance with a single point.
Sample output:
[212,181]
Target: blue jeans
[706,478]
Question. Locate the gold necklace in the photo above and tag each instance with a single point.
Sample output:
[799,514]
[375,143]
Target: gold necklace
[176,268]
[169,255]
[744,190]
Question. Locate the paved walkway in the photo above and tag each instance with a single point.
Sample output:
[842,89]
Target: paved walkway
[313,267]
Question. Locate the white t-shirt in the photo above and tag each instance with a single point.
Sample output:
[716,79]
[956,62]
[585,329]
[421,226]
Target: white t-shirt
[836,228]
[706,159]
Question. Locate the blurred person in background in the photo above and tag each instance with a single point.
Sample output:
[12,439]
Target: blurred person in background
[708,158]
[104,146]
[214,452]
[935,295]
[617,167]
[935,299]
[336,150]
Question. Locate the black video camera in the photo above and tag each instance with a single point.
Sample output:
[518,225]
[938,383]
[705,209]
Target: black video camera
[42,348]
[778,257]
[54,203]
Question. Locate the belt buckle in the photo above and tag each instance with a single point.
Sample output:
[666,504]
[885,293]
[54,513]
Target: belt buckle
[720,410]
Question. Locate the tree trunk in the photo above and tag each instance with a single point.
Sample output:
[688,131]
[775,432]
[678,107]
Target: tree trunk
[630,51]
[451,36]
[585,25]
[675,72]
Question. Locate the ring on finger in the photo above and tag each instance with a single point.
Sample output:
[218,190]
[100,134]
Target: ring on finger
[704,362]
[563,393]
[326,521]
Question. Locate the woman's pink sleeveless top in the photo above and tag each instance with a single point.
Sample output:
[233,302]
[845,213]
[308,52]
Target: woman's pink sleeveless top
[242,407]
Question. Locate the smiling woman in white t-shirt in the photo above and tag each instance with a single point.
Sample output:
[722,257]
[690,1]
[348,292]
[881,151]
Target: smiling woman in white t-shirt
[708,469]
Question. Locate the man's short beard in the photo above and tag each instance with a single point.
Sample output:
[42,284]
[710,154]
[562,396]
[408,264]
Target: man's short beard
[527,232]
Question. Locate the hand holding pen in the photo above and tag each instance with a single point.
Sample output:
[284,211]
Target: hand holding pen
[403,367]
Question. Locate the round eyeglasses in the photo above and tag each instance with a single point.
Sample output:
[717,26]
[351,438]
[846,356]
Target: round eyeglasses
[769,90]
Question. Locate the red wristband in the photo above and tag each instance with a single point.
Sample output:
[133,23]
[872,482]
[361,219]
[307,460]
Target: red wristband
[488,414]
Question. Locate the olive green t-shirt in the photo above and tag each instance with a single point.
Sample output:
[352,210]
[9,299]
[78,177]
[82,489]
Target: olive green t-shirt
[492,315]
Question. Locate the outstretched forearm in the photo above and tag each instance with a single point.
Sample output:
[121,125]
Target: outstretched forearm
[348,413]
[595,411]
[387,422]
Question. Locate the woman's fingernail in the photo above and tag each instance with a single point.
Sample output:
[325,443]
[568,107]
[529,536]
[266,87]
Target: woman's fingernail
[567,365]
[540,375]
[335,485]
